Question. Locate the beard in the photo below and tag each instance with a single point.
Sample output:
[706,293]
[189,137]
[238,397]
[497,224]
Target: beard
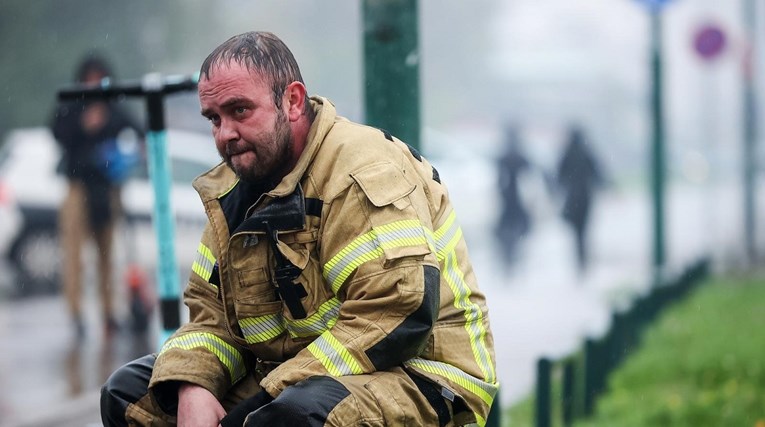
[272,154]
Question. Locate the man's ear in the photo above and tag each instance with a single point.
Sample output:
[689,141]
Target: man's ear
[294,100]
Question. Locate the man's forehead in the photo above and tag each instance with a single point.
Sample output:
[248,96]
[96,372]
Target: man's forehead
[226,67]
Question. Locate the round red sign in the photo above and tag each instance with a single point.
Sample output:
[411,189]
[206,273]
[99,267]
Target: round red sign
[709,41]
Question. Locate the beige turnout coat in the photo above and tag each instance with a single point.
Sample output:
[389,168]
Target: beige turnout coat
[381,257]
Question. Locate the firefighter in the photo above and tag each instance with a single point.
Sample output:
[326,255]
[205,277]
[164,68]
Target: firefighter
[332,284]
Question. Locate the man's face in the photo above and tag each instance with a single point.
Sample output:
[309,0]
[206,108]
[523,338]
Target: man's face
[252,136]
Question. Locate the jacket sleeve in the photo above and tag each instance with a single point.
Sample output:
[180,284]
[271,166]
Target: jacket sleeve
[377,255]
[201,351]
[65,123]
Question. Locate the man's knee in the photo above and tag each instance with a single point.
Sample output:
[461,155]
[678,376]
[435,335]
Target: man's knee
[126,385]
[307,403]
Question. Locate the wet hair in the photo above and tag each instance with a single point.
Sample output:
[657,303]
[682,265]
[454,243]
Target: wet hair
[91,62]
[261,52]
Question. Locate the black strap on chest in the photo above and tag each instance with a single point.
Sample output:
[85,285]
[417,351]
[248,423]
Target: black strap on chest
[282,214]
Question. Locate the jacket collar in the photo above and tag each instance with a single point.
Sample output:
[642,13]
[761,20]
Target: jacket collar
[218,181]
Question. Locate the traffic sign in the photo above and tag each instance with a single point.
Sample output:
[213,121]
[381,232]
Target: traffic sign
[709,41]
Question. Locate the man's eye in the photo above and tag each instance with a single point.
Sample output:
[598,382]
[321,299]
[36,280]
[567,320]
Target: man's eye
[240,110]
[215,120]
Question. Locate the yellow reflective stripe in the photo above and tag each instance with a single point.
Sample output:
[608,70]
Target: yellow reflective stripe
[225,352]
[335,358]
[204,262]
[316,324]
[261,328]
[448,235]
[206,252]
[364,248]
[370,246]
[474,324]
[481,421]
[485,391]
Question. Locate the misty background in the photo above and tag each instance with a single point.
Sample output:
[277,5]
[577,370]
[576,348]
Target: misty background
[538,65]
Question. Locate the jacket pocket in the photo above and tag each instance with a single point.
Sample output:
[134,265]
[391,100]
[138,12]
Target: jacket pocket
[258,311]
[384,184]
[254,286]
[392,413]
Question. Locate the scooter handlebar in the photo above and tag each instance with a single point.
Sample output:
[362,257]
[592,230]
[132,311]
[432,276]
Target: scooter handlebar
[151,83]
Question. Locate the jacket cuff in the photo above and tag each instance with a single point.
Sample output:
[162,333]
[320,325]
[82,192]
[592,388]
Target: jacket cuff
[195,367]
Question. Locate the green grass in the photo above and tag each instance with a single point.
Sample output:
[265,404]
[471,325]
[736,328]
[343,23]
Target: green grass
[702,363]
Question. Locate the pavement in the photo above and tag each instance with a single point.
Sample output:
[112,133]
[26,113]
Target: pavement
[540,305]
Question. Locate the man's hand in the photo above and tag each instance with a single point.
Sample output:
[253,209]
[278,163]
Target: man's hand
[239,413]
[197,407]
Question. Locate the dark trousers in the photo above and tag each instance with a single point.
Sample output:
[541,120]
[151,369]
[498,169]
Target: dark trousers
[391,397]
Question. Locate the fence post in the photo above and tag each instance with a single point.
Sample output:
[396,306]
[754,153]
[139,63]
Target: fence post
[567,397]
[590,375]
[495,413]
[544,366]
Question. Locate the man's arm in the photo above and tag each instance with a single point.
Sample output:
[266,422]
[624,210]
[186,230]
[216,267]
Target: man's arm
[201,351]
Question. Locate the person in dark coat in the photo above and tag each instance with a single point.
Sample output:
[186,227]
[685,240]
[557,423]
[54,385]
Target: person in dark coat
[514,221]
[87,133]
[578,176]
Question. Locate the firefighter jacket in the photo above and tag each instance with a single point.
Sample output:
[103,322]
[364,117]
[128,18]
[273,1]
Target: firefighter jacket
[378,262]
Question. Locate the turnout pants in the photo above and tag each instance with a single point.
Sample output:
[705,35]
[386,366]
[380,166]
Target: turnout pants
[387,398]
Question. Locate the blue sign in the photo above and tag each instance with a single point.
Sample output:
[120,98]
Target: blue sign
[654,5]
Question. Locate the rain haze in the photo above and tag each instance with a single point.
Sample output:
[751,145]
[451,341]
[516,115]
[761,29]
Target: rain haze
[488,69]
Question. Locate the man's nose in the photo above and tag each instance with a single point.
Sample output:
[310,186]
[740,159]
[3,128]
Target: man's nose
[228,131]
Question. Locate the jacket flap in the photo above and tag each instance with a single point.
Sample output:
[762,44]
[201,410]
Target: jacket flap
[383,183]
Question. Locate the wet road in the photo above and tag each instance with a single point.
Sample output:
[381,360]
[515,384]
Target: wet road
[47,375]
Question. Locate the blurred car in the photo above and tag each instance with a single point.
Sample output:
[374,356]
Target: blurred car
[10,215]
[31,191]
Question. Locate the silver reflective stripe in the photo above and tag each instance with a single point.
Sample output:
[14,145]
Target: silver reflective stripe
[316,324]
[225,352]
[335,358]
[485,391]
[448,235]
[400,234]
[261,328]
[203,263]
[364,248]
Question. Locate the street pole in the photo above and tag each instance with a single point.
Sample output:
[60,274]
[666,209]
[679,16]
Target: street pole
[392,82]
[658,166]
[391,68]
[750,131]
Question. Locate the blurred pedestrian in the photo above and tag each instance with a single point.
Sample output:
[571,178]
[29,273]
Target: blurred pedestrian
[332,285]
[87,133]
[514,221]
[578,176]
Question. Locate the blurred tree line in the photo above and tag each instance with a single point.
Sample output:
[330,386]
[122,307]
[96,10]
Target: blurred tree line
[41,43]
